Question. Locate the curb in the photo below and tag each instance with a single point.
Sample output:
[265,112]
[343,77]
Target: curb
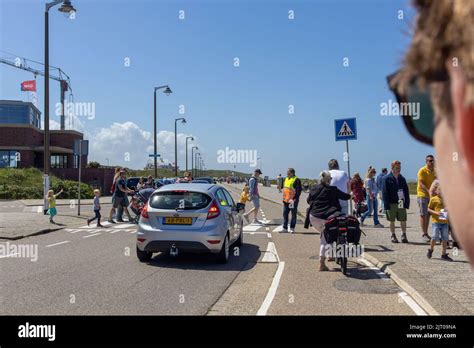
[401,283]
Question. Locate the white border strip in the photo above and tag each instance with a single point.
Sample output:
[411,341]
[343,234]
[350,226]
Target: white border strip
[411,303]
[272,291]
[51,245]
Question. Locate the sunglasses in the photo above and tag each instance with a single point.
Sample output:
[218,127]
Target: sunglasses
[415,106]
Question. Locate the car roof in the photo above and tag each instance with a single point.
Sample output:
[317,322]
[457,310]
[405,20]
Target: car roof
[197,187]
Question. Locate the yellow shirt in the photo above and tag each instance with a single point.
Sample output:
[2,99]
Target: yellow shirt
[436,204]
[427,176]
[244,197]
[52,202]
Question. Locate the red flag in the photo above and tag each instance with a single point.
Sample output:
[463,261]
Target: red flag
[29,86]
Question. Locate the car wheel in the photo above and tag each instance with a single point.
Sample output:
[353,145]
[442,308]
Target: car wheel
[223,255]
[144,256]
[240,241]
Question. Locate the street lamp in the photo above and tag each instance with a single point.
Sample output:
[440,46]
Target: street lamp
[197,154]
[192,139]
[167,91]
[260,159]
[66,7]
[183,121]
[192,159]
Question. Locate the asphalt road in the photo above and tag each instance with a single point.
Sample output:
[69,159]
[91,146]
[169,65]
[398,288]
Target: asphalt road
[95,271]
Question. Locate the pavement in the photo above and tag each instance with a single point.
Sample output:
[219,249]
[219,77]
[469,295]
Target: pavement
[88,270]
[439,287]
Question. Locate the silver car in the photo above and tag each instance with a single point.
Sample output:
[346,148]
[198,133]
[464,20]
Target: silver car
[199,218]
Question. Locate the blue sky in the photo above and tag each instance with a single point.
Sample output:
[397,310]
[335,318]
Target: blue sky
[282,62]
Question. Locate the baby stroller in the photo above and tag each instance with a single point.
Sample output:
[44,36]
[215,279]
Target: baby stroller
[139,200]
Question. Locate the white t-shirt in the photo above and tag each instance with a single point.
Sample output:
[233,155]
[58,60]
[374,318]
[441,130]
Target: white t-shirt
[339,179]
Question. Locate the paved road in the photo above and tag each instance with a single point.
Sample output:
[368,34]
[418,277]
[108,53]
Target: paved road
[95,271]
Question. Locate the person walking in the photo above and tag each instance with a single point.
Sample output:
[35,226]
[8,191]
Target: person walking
[439,221]
[426,177]
[291,196]
[324,202]
[371,193]
[254,197]
[379,182]
[357,188]
[279,183]
[96,209]
[112,191]
[396,200]
[121,191]
[340,179]
[52,211]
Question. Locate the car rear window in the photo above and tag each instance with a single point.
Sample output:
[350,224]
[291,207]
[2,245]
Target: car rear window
[181,200]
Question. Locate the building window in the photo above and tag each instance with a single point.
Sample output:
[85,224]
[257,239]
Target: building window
[58,161]
[9,158]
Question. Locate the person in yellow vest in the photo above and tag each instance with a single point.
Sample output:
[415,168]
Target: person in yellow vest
[291,195]
[426,177]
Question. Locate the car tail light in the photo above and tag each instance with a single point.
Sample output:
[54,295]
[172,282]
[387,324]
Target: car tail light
[213,211]
[214,241]
[141,240]
[145,212]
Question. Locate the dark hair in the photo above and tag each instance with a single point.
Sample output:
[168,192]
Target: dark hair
[429,156]
[333,164]
[384,170]
[291,170]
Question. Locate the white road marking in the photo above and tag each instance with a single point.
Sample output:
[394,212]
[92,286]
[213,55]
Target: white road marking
[251,228]
[115,231]
[269,235]
[51,245]
[91,235]
[270,254]
[122,226]
[278,229]
[74,230]
[39,209]
[267,229]
[133,231]
[403,295]
[411,303]
[255,232]
[272,290]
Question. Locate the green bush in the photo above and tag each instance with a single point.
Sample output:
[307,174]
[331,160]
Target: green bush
[28,184]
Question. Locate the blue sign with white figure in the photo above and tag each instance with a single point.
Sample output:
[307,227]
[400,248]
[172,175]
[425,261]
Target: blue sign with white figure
[346,129]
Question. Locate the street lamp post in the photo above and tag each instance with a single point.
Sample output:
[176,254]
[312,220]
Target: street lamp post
[167,91]
[183,120]
[196,163]
[192,139]
[192,159]
[66,7]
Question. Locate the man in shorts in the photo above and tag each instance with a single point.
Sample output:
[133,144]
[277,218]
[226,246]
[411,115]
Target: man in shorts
[120,196]
[426,176]
[396,200]
[254,197]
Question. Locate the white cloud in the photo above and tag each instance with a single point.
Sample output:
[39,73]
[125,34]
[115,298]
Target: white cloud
[126,144]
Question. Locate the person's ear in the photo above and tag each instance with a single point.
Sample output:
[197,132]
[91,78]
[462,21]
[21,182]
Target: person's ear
[463,116]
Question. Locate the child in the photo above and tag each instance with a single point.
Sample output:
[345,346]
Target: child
[439,221]
[96,209]
[52,205]
[245,196]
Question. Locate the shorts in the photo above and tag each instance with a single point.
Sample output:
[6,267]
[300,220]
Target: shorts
[118,201]
[423,205]
[256,201]
[396,213]
[440,231]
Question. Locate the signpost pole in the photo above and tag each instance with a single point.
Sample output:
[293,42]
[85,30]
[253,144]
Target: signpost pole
[349,173]
[79,184]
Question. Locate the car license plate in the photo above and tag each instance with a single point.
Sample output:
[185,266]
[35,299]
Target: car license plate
[178,221]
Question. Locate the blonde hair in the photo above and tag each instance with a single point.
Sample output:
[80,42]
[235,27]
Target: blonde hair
[434,188]
[325,177]
[246,188]
[370,170]
[96,191]
[50,193]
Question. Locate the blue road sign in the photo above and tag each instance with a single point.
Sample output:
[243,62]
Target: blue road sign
[346,129]
[152,155]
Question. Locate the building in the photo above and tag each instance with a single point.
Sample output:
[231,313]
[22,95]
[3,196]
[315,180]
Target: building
[22,145]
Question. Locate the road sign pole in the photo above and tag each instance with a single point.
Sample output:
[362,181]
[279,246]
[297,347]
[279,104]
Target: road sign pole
[79,188]
[349,173]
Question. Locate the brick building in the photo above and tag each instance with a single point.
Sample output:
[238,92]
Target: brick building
[22,145]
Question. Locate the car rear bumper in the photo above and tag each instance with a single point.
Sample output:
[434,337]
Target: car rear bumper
[157,240]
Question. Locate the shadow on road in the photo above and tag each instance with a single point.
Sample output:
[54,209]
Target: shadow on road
[249,255]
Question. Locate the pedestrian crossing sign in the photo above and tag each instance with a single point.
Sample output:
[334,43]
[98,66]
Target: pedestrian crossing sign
[346,129]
